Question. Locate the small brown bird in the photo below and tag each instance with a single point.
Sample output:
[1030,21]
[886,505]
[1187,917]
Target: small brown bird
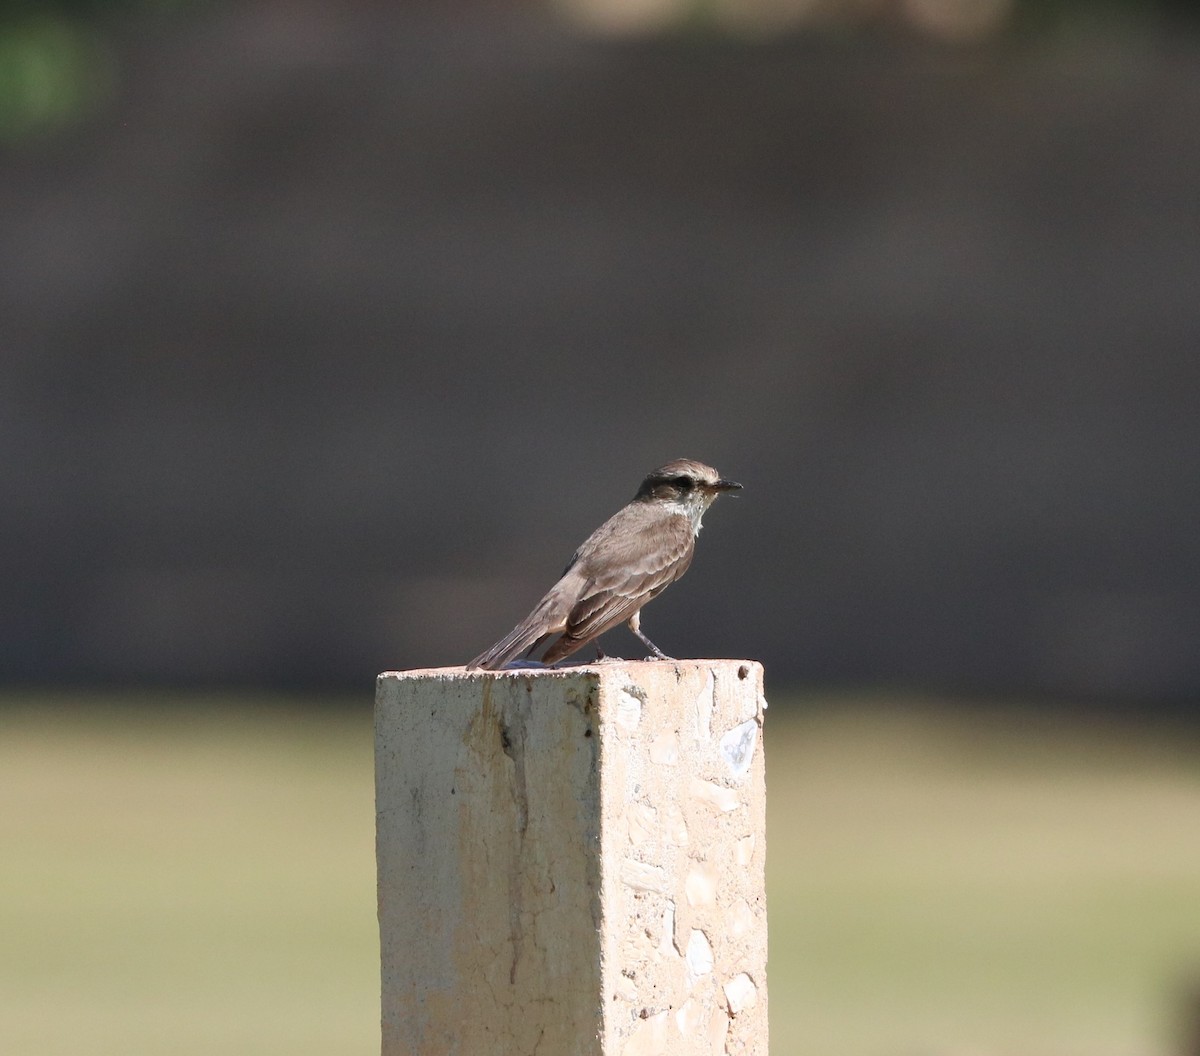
[632,557]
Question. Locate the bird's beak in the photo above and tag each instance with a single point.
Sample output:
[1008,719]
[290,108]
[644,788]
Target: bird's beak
[727,485]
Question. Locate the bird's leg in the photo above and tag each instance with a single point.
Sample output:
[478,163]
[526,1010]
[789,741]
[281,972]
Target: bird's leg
[604,658]
[635,625]
[658,653]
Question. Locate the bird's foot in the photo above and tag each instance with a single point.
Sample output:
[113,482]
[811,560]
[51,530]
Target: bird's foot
[655,652]
[604,658]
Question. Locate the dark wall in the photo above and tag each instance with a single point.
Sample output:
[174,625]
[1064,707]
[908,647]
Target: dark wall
[324,348]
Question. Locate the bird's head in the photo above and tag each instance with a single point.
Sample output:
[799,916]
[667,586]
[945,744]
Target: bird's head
[688,485]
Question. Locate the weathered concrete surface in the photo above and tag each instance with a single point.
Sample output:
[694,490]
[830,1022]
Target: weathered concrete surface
[571,861]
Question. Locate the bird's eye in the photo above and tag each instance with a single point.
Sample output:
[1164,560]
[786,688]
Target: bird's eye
[682,483]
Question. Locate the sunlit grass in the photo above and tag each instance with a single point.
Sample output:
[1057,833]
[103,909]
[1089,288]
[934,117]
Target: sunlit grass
[992,883]
[194,881]
[197,877]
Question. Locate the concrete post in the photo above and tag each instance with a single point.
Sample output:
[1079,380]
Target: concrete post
[571,861]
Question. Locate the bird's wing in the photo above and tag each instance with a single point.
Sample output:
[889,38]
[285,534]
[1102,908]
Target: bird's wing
[629,560]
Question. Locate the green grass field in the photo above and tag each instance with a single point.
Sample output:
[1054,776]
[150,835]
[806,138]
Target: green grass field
[197,877]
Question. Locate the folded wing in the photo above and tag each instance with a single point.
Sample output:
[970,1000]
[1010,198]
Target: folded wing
[629,560]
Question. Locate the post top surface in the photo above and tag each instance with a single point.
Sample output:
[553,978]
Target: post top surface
[630,668]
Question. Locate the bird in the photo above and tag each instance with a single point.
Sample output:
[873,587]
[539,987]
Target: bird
[630,559]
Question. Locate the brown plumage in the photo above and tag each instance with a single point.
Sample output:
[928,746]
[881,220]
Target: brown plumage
[632,557]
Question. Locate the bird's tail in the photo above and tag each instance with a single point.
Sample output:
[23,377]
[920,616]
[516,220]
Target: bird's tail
[547,618]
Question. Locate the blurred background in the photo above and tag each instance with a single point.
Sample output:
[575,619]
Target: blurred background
[328,330]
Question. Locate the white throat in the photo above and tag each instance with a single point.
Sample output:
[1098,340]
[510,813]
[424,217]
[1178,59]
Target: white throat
[692,508]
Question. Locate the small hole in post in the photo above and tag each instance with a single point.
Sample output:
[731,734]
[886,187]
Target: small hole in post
[743,671]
